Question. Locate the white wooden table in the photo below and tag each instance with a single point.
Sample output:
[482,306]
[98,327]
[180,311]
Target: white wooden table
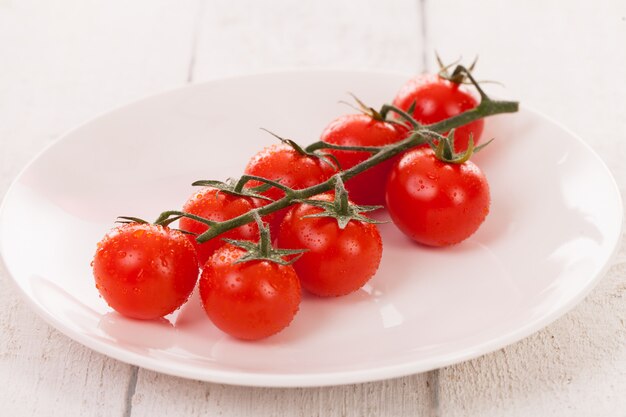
[64,62]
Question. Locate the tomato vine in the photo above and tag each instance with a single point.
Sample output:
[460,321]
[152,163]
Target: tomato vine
[420,134]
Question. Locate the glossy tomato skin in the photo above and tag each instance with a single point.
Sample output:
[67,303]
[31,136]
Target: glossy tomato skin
[437,99]
[213,204]
[250,300]
[145,271]
[337,261]
[362,130]
[280,162]
[436,203]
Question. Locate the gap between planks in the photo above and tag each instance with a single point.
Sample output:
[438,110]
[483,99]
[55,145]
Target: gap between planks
[423,23]
[432,377]
[197,30]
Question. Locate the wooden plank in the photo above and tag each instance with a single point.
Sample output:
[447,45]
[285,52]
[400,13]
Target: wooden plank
[562,59]
[161,395]
[249,36]
[62,64]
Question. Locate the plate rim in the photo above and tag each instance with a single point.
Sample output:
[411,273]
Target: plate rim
[323,378]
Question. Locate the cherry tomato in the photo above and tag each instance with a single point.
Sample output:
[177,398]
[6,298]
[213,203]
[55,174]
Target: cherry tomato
[362,130]
[338,261]
[145,271]
[216,205]
[249,300]
[282,163]
[437,99]
[436,203]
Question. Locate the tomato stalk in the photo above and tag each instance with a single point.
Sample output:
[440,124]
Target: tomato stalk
[420,135]
[386,108]
[486,105]
[166,218]
[247,178]
[325,145]
[342,204]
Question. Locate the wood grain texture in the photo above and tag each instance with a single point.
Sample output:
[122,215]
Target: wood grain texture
[559,59]
[249,36]
[61,64]
[161,395]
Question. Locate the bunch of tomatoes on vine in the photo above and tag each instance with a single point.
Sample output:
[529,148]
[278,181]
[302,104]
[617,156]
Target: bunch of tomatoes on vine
[297,219]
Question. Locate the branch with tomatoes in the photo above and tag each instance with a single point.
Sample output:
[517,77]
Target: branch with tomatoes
[421,134]
[362,162]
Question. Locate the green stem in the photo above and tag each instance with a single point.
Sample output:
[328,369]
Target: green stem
[342,204]
[166,214]
[247,178]
[386,108]
[461,71]
[487,107]
[324,145]
[264,234]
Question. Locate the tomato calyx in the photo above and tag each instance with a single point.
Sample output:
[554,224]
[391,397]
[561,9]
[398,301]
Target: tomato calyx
[381,115]
[463,75]
[326,158]
[361,107]
[444,148]
[341,209]
[460,74]
[263,249]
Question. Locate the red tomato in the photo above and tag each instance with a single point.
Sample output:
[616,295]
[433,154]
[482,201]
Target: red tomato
[436,203]
[280,162]
[362,130]
[216,205]
[249,300]
[338,261]
[145,271]
[437,99]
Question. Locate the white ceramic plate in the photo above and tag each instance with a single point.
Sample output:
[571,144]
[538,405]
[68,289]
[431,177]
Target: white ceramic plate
[555,222]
